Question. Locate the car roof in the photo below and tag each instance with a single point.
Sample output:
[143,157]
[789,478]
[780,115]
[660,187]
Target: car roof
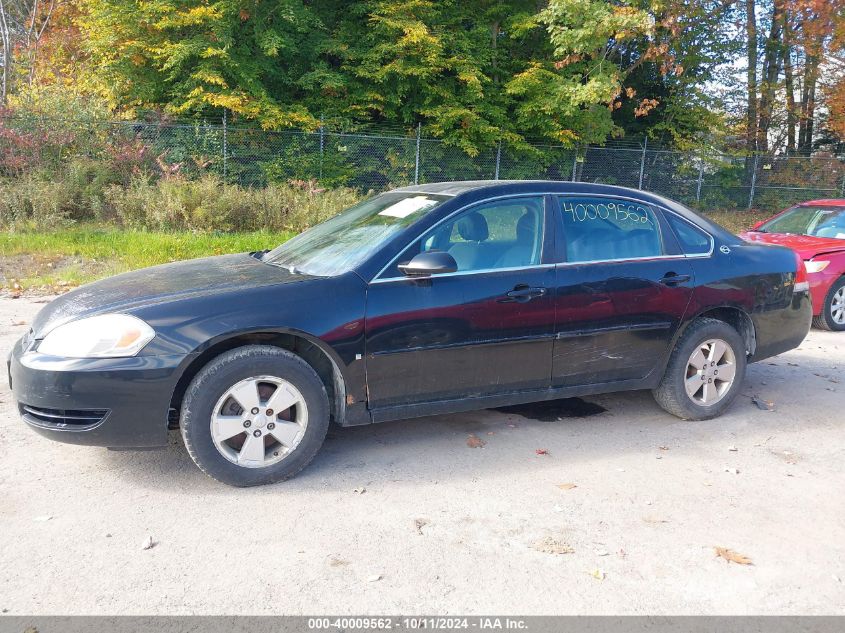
[506,187]
[458,187]
[826,202]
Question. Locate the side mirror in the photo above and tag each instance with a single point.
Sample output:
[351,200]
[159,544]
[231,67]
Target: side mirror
[757,225]
[430,263]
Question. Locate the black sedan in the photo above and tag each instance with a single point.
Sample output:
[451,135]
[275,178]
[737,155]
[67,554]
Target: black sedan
[424,300]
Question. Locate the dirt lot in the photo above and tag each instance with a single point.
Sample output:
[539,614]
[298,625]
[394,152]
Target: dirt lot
[436,526]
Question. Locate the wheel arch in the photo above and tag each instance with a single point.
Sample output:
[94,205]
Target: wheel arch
[307,347]
[735,316]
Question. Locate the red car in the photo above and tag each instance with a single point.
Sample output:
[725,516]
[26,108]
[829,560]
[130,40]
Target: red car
[816,231]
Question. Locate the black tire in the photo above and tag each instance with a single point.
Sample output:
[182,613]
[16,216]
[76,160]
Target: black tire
[825,320]
[221,374]
[671,394]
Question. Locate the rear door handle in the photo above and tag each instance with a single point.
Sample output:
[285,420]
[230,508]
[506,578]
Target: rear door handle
[523,294]
[672,279]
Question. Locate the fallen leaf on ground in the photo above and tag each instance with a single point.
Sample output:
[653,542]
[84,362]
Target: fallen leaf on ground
[18,323]
[148,543]
[419,524]
[788,456]
[663,448]
[374,578]
[732,471]
[655,520]
[763,405]
[551,545]
[567,486]
[338,562]
[359,491]
[44,518]
[602,552]
[473,441]
[598,574]
[542,451]
[732,556]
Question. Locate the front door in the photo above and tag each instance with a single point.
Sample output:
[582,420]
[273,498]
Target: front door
[621,291]
[485,329]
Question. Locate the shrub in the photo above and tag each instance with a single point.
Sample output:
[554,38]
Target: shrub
[206,205]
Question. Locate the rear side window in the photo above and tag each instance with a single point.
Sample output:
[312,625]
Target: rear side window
[693,240]
[600,229]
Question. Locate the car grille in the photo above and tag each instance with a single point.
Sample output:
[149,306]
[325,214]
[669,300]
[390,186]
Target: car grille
[70,419]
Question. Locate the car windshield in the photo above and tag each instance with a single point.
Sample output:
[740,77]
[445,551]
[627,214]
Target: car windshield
[815,221]
[341,243]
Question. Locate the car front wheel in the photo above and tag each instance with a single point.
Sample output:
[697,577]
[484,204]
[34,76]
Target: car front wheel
[832,316]
[254,415]
[705,371]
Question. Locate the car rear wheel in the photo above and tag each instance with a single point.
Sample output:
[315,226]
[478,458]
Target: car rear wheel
[832,316]
[705,371]
[254,415]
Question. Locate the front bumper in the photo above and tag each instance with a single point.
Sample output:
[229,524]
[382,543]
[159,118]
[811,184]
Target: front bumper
[113,402]
[820,284]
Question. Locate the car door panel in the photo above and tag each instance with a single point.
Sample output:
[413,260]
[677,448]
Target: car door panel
[615,321]
[458,336]
[484,330]
[617,316]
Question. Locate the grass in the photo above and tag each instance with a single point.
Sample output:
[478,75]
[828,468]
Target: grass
[738,221]
[49,261]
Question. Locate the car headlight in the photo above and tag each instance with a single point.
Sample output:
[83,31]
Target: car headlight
[814,266]
[101,336]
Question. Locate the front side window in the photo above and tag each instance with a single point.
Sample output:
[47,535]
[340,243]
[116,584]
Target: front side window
[502,234]
[816,221]
[341,243]
[600,229]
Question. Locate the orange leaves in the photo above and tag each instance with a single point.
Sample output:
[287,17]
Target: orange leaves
[473,441]
[645,106]
[732,556]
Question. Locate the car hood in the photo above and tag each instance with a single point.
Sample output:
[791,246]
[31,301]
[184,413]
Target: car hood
[807,246]
[161,284]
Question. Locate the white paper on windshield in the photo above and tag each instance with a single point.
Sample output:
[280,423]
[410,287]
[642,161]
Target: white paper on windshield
[840,236]
[407,206]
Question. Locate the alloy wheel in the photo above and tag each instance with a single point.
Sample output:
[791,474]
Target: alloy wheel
[259,421]
[837,306]
[711,370]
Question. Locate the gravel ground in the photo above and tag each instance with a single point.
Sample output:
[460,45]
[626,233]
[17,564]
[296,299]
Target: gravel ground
[406,518]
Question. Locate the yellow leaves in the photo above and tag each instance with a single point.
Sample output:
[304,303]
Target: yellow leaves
[567,486]
[214,52]
[732,556]
[209,77]
[194,16]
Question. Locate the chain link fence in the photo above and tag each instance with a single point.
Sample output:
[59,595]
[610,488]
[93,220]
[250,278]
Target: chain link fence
[379,159]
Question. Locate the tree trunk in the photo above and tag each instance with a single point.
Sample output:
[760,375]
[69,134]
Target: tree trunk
[771,69]
[808,106]
[751,35]
[789,84]
[6,43]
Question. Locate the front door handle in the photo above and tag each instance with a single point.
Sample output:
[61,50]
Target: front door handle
[673,279]
[523,294]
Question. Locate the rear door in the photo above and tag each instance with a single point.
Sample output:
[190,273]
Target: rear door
[622,289]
